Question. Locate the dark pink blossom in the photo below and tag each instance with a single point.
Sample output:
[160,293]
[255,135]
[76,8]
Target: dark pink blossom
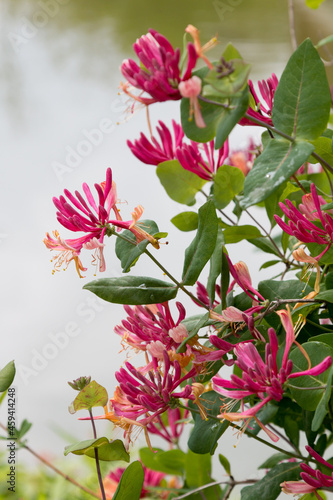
[200,158]
[152,152]
[313,479]
[143,398]
[242,277]
[263,105]
[158,74]
[146,325]
[300,222]
[263,378]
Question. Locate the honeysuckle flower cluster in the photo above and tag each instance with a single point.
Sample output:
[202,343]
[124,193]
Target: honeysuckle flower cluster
[91,216]
[193,156]
[301,223]
[159,73]
[263,378]
[313,479]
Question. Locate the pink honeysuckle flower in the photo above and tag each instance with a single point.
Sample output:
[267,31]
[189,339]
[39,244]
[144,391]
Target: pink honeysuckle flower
[68,250]
[136,227]
[152,479]
[300,225]
[191,158]
[242,277]
[298,488]
[262,106]
[143,398]
[263,378]
[153,153]
[146,324]
[202,295]
[191,89]
[158,74]
[172,430]
[79,214]
[312,479]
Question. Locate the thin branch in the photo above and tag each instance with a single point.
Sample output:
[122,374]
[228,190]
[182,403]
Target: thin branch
[215,483]
[291,14]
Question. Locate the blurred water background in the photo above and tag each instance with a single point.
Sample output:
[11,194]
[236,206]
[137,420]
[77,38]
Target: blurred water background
[60,73]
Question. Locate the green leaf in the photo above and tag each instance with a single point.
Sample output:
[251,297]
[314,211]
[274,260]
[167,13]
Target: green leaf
[107,451]
[265,245]
[198,470]
[274,460]
[90,396]
[323,148]
[325,296]
[131,483]
[302,100]
[7,375]
[228,182]
[129,251]
[225,463]
[268,487]
[215,266]
[132,290]
[235,234]
[186,221]
[322,408]
[279,161]
[170,462]
[181,185]
[269,263]
[206,433]
[203,245]
[309,399]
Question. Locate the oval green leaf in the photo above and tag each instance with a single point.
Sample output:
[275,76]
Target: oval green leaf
[186,221]
[203,245]
[132,290]
[302,100]
[276,164]
[181,185]
[107,451]
[131,483]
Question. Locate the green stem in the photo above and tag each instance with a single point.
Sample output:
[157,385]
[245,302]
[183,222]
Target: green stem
[99,475]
